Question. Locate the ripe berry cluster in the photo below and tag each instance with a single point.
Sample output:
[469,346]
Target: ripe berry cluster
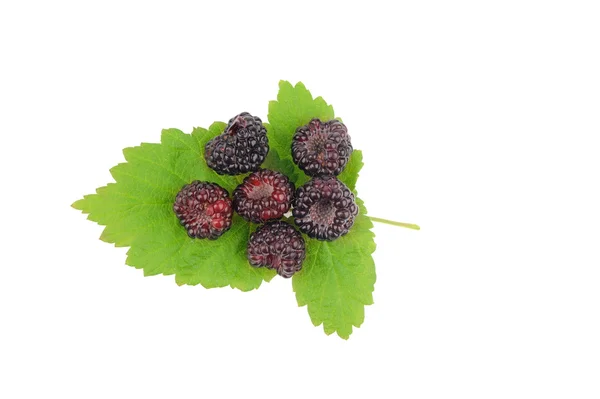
[324,208]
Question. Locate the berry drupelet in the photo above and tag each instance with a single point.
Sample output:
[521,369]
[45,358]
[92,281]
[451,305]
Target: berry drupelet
[204,209]
[241,148]
[279,246]
[264,195]
[324,208]
[322,148]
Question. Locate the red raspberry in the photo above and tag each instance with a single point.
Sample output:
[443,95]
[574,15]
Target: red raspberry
[322,148]
[279,246]
[204,209]
[264,195]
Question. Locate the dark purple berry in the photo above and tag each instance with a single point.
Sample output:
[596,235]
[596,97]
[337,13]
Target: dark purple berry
[324,208]
[277,245]
[322,148]
[264,195]
[204,209]
[241,148]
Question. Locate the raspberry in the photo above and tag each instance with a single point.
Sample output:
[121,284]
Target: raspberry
[241,148]
[322,148]
[204,209]
[277,245]
[324,208]
[264,195]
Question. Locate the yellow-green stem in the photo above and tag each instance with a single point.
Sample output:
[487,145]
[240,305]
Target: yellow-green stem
[400,224]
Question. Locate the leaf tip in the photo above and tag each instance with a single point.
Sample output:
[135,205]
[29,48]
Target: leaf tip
[170,134]
[244,288]
[284,83]
[217,127]
[300,86]
[79,204]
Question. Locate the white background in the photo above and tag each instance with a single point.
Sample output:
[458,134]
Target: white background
[478,120]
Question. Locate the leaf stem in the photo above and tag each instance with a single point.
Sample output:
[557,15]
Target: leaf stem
[399,224]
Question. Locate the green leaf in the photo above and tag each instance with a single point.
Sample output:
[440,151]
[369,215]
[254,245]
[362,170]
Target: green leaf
[338,277]
[137,212]
[350,174]
[275,161]
[294,107]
